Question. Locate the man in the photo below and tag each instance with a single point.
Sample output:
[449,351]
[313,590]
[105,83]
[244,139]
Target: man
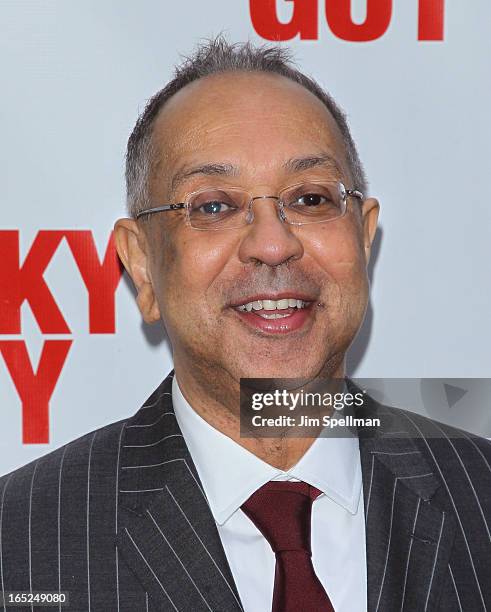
[249,237]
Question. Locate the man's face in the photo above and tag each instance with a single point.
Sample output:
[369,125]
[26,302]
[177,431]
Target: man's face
[265,130]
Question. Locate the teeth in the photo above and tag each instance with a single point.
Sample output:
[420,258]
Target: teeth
[282,304]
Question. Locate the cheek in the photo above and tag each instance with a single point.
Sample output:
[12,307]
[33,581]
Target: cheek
[340,254]
[188,267]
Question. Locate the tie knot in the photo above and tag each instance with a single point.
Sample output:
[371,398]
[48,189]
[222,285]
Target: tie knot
[281,510]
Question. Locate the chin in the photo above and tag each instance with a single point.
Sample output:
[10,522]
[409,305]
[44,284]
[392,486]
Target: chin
[281,371]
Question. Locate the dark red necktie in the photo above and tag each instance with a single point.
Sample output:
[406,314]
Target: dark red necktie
[281,511]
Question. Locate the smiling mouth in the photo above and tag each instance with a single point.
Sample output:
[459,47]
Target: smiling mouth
[273,309]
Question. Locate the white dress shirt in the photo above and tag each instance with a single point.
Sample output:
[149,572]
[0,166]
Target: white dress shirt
[230,474]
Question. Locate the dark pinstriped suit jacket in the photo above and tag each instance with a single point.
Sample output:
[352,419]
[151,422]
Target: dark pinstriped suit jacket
[118,519]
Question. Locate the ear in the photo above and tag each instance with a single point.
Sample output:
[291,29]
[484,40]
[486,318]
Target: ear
[132,247]
[369,213]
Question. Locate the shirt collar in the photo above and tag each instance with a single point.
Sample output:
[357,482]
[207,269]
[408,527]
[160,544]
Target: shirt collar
[230,474]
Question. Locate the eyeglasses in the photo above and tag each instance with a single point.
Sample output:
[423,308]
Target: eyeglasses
[230,207]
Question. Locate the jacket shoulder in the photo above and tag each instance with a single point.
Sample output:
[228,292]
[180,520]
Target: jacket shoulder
[461,460]
[98,449]
[429,430]
[58,518]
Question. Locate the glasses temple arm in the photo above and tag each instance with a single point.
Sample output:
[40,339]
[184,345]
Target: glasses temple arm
[163,208]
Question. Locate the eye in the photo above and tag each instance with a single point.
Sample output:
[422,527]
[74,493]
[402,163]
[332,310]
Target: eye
[213,203]
[214,207]
[311,199]
[318,201]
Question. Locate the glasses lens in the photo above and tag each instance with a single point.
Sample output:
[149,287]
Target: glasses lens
[218,209]
[314,202]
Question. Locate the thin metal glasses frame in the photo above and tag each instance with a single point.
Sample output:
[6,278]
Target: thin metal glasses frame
[345,193]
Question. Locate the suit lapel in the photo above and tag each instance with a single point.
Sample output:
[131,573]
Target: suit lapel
[408,538]
[166,532]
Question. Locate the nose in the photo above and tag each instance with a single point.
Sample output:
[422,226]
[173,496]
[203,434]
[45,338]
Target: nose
[268,239]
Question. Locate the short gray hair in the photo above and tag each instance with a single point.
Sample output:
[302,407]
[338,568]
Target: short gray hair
[212,57]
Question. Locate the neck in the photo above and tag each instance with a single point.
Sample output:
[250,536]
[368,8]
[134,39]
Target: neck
[217,398]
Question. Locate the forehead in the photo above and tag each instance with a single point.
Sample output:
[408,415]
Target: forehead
[254,121]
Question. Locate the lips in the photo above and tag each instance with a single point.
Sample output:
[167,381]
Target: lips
[277,321]
[281,306]
[270,297]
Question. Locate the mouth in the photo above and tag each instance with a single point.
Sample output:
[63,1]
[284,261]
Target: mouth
[278,314]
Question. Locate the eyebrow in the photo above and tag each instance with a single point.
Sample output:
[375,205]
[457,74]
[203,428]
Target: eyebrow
[205,169]
[293,165]
[299,164]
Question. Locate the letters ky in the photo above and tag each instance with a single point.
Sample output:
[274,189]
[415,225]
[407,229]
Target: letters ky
[19,283]
[25,282]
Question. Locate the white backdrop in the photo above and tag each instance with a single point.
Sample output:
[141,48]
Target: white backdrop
[74,77]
